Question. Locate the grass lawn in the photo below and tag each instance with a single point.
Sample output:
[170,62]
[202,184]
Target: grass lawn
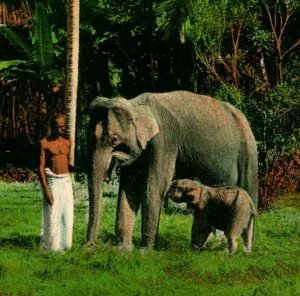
[172,269]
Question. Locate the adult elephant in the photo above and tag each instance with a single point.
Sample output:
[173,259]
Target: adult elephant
[160,136]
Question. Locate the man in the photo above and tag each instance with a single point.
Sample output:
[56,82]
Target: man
[57,224]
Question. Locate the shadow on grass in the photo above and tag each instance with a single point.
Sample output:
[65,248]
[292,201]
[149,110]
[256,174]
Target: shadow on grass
[20,241]
[177,243]
[176,210]
[108,238]
[168,243]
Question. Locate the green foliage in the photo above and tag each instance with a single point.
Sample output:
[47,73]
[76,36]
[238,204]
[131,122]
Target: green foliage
[42,39]
[208,26]
[262,40]
[174,17]
[38,54]
[278,130]
[171,269]
[5,65]
[232,95]
[114,75]
[17,41]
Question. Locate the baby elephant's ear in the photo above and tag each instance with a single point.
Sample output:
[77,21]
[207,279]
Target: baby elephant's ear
[193,194]
[204,196]
[174,183]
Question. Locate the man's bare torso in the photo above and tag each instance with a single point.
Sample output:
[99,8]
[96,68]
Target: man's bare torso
[56,154]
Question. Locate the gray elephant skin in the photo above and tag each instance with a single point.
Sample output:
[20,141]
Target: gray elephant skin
[227,208]
[158,137]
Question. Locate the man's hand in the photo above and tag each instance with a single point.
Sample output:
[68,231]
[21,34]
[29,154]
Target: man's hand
[74,169]
[49,197]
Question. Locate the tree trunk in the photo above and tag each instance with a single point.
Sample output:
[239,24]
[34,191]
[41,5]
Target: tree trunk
[72,71]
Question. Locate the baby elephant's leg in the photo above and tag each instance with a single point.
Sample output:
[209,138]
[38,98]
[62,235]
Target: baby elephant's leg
[247,236]
[233,232]
[237,224]
[232,243]
[200,232]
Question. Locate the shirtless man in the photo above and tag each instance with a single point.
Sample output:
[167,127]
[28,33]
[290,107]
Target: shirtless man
[57,226]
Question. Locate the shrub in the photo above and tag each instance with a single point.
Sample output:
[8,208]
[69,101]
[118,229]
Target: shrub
[282,177]
[11,174]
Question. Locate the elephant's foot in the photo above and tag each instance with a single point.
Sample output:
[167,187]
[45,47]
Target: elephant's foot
[232,245]
[126,246]
[247,250]
[147,244]
[91,244]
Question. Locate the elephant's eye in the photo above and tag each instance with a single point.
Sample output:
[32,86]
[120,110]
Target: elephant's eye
[114,141]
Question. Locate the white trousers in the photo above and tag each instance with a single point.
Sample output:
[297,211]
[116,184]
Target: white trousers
[57,220]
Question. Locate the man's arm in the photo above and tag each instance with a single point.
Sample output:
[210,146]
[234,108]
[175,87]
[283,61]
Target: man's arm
[42,175]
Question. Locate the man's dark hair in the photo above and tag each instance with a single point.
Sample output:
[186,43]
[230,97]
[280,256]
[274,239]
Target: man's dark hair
[54,117]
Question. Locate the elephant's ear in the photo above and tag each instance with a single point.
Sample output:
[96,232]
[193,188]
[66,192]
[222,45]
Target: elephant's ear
[204,196]
[193,194]
[146,124]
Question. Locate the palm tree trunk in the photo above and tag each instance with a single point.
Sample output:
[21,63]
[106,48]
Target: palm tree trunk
[72,71]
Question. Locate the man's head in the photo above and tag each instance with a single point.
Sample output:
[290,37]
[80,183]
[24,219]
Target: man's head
[57,125]
[185,190]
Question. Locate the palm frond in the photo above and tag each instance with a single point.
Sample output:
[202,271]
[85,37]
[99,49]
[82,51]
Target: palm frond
[4,65]
[17,68]
[42,47]
[16,41]
[174,17]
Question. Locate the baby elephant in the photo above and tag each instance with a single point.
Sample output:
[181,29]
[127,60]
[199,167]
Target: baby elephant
[227,208]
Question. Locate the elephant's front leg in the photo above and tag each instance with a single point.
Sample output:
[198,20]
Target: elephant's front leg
[161,172]
[128,205]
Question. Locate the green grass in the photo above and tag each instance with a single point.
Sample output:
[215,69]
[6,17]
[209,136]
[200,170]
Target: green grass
[172,269]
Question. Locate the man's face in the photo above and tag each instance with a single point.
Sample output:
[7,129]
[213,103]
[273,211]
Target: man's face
[59,126]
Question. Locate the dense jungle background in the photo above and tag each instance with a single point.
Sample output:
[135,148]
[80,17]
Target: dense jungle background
[243,52]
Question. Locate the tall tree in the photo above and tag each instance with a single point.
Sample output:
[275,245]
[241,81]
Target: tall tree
[72,70]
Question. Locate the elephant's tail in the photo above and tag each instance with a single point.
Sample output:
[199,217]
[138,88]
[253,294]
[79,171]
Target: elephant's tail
[252,222]
[251,232]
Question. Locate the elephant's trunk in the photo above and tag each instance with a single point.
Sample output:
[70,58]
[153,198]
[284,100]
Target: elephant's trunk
[99,165]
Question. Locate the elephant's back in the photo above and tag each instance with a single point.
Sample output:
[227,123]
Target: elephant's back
[189,113]
[177,101]
[191,107]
